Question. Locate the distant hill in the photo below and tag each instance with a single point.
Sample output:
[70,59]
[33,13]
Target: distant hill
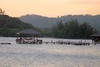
[12,22]
[43,22]
[9,26]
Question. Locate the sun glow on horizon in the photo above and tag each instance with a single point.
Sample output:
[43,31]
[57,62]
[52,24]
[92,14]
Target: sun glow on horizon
[50,8]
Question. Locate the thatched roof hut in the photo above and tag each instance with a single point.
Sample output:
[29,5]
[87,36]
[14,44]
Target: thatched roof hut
[29,32]
[96,38]
[96,35]
[28,36]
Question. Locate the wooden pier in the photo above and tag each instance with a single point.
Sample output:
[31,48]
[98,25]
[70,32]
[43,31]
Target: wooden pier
[5,43]
[59,42]
[67,43]
[82,43]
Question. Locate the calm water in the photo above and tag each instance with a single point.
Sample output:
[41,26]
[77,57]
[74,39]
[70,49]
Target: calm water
[48,55]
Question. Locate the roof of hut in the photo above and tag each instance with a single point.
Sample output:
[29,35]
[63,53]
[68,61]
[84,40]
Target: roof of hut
[97,34]
[28,31]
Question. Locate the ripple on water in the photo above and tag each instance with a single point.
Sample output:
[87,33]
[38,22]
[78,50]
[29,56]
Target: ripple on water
[51,55]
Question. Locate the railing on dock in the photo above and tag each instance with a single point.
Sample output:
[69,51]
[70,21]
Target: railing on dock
[32,41]
[68,43]
[82,43]
[37,41]
[59,42]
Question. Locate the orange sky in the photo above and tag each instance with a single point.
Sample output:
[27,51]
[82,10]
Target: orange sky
[50,8]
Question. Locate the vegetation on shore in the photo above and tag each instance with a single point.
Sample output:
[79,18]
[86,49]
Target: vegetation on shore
[73,29]
[47,22]
[9,26]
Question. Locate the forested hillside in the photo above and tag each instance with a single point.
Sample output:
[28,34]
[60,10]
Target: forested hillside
[43,22]
[9,26]
[73,30]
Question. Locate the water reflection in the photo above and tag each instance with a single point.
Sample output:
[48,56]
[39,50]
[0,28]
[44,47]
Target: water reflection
[48,55]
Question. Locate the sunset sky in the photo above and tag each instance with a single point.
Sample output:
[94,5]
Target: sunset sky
[50,8]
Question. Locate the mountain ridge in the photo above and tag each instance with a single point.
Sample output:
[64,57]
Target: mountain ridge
[44,22]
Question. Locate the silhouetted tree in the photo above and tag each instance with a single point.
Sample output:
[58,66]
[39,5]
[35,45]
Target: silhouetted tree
[72,29]
[9,26]
[2,12]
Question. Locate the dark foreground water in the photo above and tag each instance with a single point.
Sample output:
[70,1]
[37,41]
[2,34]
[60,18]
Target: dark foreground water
[48,55]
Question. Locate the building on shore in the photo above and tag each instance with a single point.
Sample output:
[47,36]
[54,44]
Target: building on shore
[28,36]
[96,38]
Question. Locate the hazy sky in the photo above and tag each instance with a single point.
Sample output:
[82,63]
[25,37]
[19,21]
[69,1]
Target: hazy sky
[50,8]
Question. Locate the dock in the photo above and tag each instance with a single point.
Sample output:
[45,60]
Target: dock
[67,43]
[82,43]
[58,42]
[5,43]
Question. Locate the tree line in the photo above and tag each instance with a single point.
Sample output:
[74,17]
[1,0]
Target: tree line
[9,26]
[2,12]
[73,29]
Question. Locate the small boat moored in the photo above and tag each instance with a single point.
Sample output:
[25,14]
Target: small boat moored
[5,43]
